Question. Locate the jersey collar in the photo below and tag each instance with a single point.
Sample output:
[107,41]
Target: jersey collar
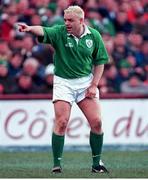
[86,31]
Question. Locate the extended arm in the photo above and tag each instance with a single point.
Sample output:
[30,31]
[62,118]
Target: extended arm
[36,30]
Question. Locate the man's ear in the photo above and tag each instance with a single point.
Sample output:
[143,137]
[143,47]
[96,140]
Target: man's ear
[81,20]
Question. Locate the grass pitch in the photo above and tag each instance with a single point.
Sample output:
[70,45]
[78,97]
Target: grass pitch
[75,165]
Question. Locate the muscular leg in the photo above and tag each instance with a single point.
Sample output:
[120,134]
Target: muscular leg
[62,114]
[91,109]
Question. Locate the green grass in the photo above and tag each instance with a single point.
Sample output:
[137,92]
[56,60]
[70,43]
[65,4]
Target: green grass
[75,165]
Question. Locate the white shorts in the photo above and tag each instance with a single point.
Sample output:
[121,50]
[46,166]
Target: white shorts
[71,90]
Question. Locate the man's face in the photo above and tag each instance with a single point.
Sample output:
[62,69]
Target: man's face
[73,23]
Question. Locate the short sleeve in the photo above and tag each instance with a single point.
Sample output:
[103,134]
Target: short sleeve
[100,55]
[50,35]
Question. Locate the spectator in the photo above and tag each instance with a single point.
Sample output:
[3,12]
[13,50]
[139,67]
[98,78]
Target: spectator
[25,11]
[134,85]
[6,82]
[144,53]
[32,67]
[120,50]
[36,20]
[9,18]
[102,24]
[25,85]
[5,52]
[123,73]
[15,64]
[122,24]
[48,85]
[131,61]
[27,47]
[41,50]
[136,10]
[135,43]
[141,27]
[111,75]
[16,43]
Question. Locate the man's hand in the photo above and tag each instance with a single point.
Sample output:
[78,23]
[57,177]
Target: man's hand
[22,27]
[91,91]
[36,30]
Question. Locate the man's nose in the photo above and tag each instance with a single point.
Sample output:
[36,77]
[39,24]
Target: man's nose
[66,23]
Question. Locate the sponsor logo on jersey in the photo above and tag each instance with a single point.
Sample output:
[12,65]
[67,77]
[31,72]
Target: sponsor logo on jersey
[69,44]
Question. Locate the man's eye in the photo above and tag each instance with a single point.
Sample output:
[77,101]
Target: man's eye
[68,20]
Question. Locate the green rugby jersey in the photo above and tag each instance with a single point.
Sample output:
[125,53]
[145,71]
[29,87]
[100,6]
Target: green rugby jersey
[73,57]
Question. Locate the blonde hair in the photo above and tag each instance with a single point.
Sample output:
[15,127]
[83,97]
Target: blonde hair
[31,61]
[75,9]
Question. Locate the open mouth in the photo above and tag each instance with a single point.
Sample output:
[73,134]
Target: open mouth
[69,29]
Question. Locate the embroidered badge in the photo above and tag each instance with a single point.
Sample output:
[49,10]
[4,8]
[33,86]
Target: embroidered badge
[89,43]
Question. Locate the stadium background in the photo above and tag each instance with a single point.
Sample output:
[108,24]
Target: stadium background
[26,72]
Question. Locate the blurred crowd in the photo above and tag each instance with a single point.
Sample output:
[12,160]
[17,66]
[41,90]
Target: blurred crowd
[27,67]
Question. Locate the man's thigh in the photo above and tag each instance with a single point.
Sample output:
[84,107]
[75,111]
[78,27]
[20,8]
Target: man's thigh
[62,108]
[62,114]
[91,109]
